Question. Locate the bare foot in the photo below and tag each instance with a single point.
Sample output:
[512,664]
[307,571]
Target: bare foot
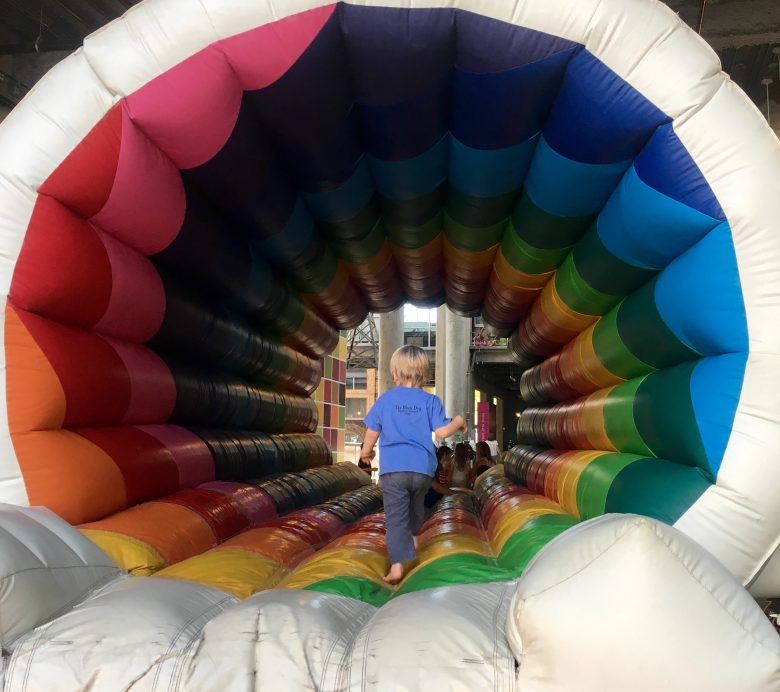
[416,541]
[395,574]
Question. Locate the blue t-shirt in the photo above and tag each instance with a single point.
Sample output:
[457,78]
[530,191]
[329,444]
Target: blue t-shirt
[404,417]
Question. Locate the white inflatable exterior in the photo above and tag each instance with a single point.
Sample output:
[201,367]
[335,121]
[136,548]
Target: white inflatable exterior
[738,518]
[618,603]
[628,603]
[448,638]
[47,567]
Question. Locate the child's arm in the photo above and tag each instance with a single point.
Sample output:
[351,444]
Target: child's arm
[369,440]
[447,430]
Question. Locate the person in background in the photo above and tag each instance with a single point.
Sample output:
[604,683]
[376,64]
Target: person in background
[402,420]
[495,453]
[462,474]
[484,459]
[441,481]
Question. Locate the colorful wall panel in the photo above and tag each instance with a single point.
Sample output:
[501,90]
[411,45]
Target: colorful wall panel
[330,397]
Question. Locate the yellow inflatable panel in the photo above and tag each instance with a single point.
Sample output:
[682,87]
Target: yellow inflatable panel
[130,554]
[441,546]
[570,476]
[593,421]
[432,531]
[239,572]
[515,504]
[371,542]
[513,522]
[560,314]
[342,562]
[589,364]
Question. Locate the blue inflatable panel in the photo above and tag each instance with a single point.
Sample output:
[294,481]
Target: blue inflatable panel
[497,110]
[646,228]
[699,296]
[599,118]
[327,164]
[395,54]
[412,178]
[565,187]
[292,240]
[259,284]
[345,201]
[510,45]
[489,172]
[716,384]
[666,165]
[407,129]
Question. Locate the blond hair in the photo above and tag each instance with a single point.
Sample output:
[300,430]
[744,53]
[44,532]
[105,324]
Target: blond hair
[409,365]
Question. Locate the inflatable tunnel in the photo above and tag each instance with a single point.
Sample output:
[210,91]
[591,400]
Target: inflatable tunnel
[196,203]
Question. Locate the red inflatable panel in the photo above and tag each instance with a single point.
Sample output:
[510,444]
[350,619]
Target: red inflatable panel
[145,463]
[63,271]
[95,158]
[255,504]
[219,511]
[93,376]
[328,522]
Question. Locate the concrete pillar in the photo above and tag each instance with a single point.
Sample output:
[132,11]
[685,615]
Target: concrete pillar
[458,338]
[441,351]
[371,387]
[391,337]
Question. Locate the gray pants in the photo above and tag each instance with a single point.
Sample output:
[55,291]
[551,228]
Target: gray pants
[403,494]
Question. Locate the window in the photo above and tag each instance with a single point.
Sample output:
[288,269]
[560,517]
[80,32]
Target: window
[356,382]
[356,408]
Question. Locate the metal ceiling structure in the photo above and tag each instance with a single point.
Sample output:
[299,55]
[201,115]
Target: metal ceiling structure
[38,26]
[497,368]
[363,344]
[743,31]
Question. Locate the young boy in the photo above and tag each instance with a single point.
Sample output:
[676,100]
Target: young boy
[402,419]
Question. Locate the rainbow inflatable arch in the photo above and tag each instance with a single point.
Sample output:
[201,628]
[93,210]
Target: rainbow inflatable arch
[197,201]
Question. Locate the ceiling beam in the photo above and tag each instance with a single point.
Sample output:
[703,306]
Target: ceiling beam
[68,11]
[737,40]
[11,90]
[737,22]
[115,8]
[43,47]
[28,20]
